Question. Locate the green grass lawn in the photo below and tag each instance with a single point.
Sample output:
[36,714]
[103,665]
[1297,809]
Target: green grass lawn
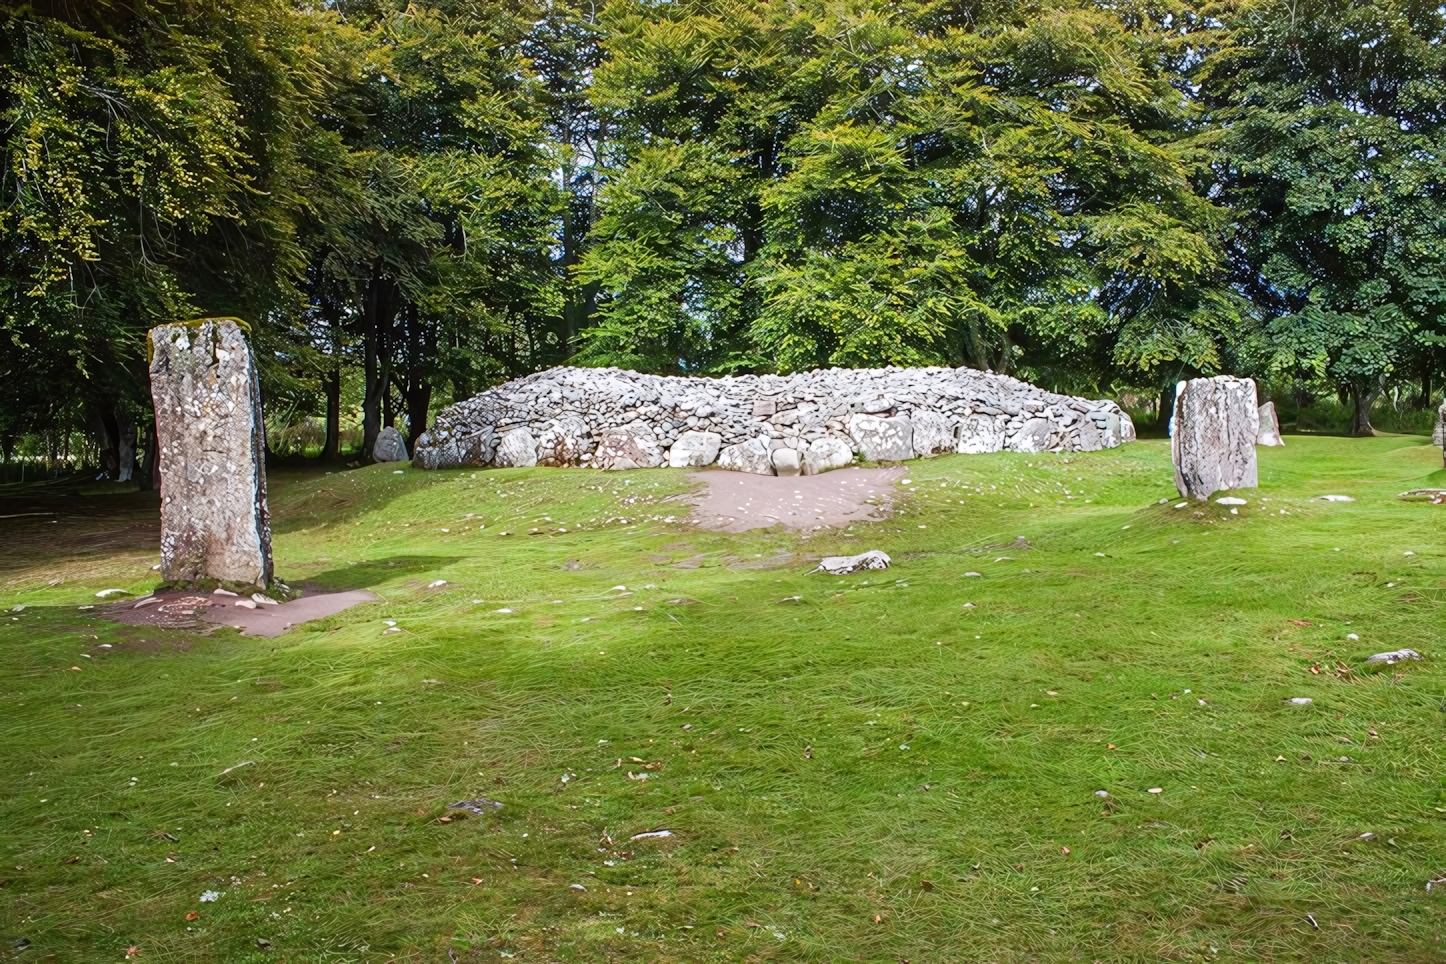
[895,766]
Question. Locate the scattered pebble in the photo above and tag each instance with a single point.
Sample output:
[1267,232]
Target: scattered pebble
[1300,701]
[1352,636]
[1102,794]
[1334,498]
[1230,500]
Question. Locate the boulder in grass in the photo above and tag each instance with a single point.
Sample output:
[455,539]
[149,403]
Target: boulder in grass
[843,565]
[389,446]
[1382,660]
[1212,436]
[752,455]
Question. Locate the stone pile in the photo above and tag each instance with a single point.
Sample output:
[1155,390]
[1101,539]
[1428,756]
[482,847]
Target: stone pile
[804,423]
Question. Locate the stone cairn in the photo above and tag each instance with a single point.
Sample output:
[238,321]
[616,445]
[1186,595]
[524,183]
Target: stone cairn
[804,423]
[214,521]
[1213,435]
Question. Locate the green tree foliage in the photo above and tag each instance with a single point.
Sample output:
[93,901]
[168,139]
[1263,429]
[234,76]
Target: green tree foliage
[426,197]
[1333,150]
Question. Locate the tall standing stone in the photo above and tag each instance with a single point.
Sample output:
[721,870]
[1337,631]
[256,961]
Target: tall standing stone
[214,520]
[1212,436]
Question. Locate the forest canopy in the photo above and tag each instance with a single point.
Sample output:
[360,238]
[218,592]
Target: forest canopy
[411,201]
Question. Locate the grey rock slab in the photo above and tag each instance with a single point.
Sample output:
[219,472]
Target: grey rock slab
[825,454]
[389,446]
[786,462]
[753,455]
[933,434]
[1033,436]
[565,442]
[843,565]
[883,439]
[631,446]
[517,450]
[695,450]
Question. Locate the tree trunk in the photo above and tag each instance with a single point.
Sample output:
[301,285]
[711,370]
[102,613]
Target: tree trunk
[421,347]
[1361,400]
[1167,407]
[376,361]
[150,472]
[332,448]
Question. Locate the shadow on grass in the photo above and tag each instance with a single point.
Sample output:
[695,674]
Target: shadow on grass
[365,575]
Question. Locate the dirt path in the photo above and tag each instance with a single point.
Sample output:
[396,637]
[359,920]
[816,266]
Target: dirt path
[738,501]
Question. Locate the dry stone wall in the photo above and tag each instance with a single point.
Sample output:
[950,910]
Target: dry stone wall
[807,422]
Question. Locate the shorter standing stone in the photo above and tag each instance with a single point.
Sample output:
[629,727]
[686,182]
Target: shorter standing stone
[1269,433]
[212,446]
[389,446]
[565,442]
[1212,435]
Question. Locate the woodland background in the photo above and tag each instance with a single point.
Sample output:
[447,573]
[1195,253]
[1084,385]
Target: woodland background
[409,202]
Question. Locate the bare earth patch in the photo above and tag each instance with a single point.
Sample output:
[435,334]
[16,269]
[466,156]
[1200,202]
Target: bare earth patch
[738,501]
[184,610]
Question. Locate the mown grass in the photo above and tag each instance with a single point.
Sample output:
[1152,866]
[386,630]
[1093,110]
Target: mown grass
[873,771]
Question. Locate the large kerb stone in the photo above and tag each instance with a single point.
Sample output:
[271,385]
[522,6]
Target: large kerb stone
[214,521]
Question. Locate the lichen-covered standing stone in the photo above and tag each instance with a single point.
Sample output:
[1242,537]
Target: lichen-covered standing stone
[1212,436]
[214,520]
